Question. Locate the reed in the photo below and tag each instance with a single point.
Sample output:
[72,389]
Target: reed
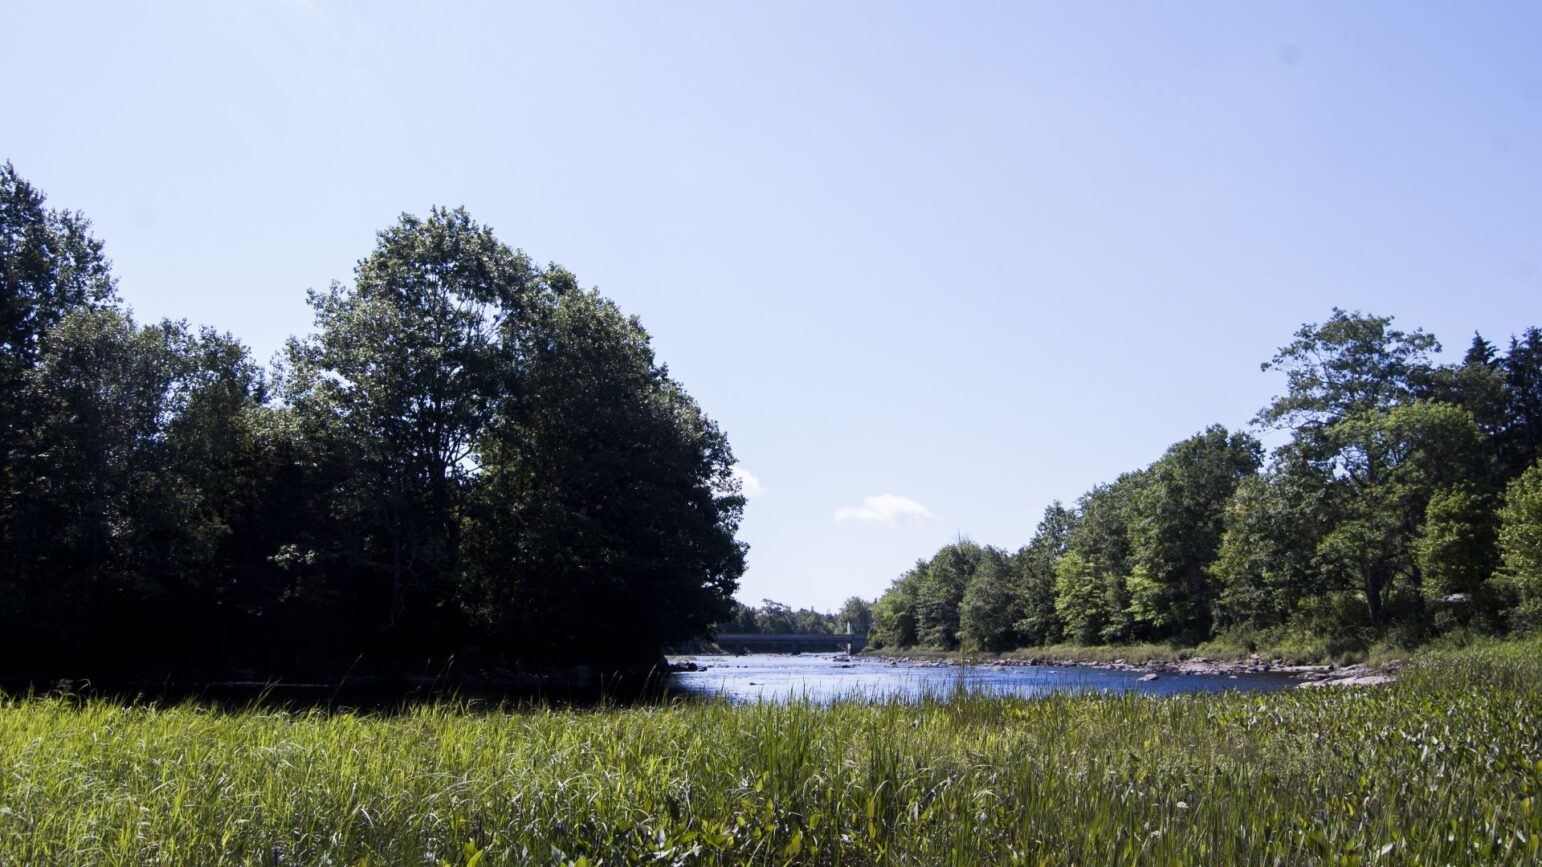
[1443,766]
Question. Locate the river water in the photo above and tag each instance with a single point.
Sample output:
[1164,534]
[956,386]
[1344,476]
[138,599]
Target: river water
[824,677]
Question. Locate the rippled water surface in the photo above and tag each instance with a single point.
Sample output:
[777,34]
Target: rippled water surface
[827,677]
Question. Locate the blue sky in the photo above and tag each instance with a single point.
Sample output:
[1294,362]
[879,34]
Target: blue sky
[930,266]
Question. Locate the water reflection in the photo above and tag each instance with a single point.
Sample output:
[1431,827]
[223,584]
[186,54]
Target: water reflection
[828,677]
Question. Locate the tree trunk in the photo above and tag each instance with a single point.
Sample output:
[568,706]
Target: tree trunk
[1373,585]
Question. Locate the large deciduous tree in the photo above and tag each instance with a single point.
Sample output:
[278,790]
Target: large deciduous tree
[521,468]
[1352,383]
[606,509]
[404,368]
[1349,365]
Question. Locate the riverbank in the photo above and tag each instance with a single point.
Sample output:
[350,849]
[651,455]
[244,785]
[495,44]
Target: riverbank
[1155,661]
[1442,766]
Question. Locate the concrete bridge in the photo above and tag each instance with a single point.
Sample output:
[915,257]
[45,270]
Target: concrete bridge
[765,642]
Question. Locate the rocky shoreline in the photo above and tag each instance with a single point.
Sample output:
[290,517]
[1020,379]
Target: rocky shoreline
[1309,675]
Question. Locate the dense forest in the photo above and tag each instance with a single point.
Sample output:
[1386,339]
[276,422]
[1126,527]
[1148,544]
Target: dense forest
[1405,502]
[471,458]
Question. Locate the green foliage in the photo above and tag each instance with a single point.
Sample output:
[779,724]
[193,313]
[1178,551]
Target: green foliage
[471,458]
[855,615]
[404,368]
[1266,564]
[778,618]
[1456,549]
[134,447]
[49,266]
[894,614]
[1040,623]
[604,490]
[1520,433]
[1082,599]
[1520,545]
[940,591]
[1175,530]
[991,606]
[1349,365]
[1393,463]
[1100,603]
[1373,522]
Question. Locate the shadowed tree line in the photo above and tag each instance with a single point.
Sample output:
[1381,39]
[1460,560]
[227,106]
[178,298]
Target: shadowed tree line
[471,457]
[776,618]
[1406,502]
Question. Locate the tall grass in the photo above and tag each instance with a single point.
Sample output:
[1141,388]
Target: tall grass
[1442,767]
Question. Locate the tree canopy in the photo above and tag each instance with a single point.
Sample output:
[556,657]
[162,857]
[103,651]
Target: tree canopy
[472,458]
[1396,509]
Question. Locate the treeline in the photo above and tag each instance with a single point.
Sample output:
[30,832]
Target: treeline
[776,618]
[1406,503]
[471,458]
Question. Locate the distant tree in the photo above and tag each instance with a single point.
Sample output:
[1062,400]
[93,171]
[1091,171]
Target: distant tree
[992,605]
[814,622]
[1477,385]
[740,621]
[1176,523]
[894,614]
[856,613]
[1266,566]
[1456,551]
[1101,539]
[1520,436]
[940,592]
[1520,546]
[1039,624]
[778,617]
[1083,600]
[775,617]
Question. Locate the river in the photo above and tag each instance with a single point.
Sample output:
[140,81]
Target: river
[825,677]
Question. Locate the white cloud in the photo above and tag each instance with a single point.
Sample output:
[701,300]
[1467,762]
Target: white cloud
[885,509]
[749,485]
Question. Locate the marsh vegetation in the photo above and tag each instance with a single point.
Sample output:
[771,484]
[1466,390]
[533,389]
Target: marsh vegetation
[1444,766]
